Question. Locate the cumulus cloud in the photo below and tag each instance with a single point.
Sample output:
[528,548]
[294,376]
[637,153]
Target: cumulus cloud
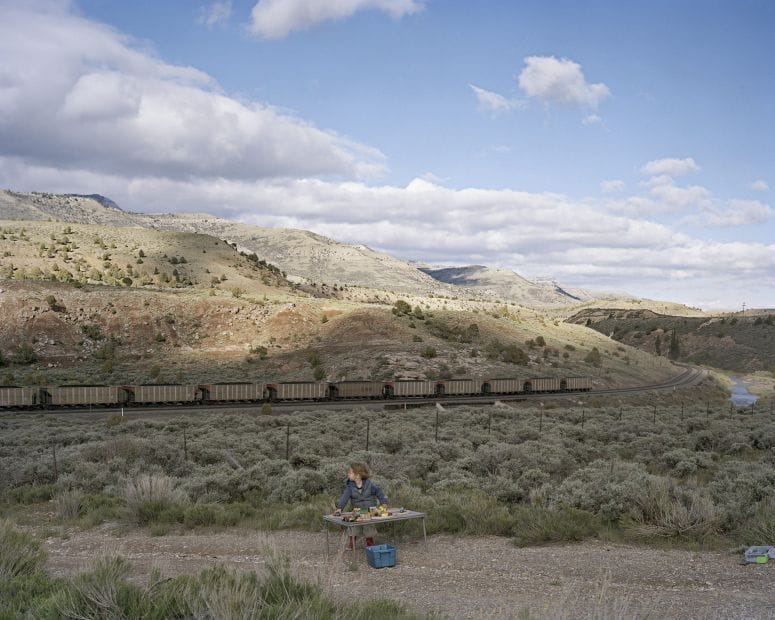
[216,12]
[275,19]
[674,197]
[670,167]
[560,80]
[79,94]
[493,102]
[735,213]
[760,186]
[579,242]
[612,186]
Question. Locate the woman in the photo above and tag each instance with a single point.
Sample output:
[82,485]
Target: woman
[361,492]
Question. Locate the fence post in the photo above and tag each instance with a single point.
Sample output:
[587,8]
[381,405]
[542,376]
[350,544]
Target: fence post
[54,454]
[185,445]
[368,428]
[489,423]
[437,425]
[582,417]
[541,419]
[288,441]
[682,410]
[620,413]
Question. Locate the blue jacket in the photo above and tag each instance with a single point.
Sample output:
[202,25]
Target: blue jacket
[367,496]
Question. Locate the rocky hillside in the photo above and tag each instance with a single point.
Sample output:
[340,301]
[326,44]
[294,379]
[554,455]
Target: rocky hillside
[305,257]
[736,342]
[86,303]
[497,283]
[92,209]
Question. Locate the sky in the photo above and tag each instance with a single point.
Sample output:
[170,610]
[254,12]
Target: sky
[608,144]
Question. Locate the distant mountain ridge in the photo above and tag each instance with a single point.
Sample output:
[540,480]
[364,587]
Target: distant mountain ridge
[305,256]
[501,284]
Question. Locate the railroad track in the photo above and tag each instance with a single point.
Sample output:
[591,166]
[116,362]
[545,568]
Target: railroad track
[688,378]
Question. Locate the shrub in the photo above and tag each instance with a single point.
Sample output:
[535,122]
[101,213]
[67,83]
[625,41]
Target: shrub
[20,553]
[428,352]
[31,493]
[594,357]
[535,525]
[24,354]
[761,526]
[401,307]
[103,592]
[514,355]
[665,510]
[149,495]
[262,352]
[92,331]
[470,512]
[602,488]
[68,503]
[114,420]
[202,515]
[298,486]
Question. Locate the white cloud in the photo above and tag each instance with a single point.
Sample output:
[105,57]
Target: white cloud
[216,12]
[735,213]
[612,186]
[275,19]
[580,243]
[592,119]
[560,80]
[670,167]
[760,186]
[76,93]
[674,197]
[493,102]
[432,178]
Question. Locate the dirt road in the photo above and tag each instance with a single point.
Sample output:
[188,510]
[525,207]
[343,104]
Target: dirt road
[467,577]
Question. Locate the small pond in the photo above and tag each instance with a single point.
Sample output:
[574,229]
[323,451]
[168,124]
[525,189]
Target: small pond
[740,396]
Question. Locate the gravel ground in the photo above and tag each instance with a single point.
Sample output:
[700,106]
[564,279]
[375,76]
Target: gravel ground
[468,577]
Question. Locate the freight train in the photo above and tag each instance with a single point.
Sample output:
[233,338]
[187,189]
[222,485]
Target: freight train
[77,396]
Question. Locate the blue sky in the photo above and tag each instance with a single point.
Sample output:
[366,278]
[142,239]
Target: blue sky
[612,145]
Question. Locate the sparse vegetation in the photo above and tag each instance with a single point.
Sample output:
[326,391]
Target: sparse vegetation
[105,591]
[679,475]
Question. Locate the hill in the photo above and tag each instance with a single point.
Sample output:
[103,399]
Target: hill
[91,303]
[305,257]
[736,342]
[495,283]
[92,209]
